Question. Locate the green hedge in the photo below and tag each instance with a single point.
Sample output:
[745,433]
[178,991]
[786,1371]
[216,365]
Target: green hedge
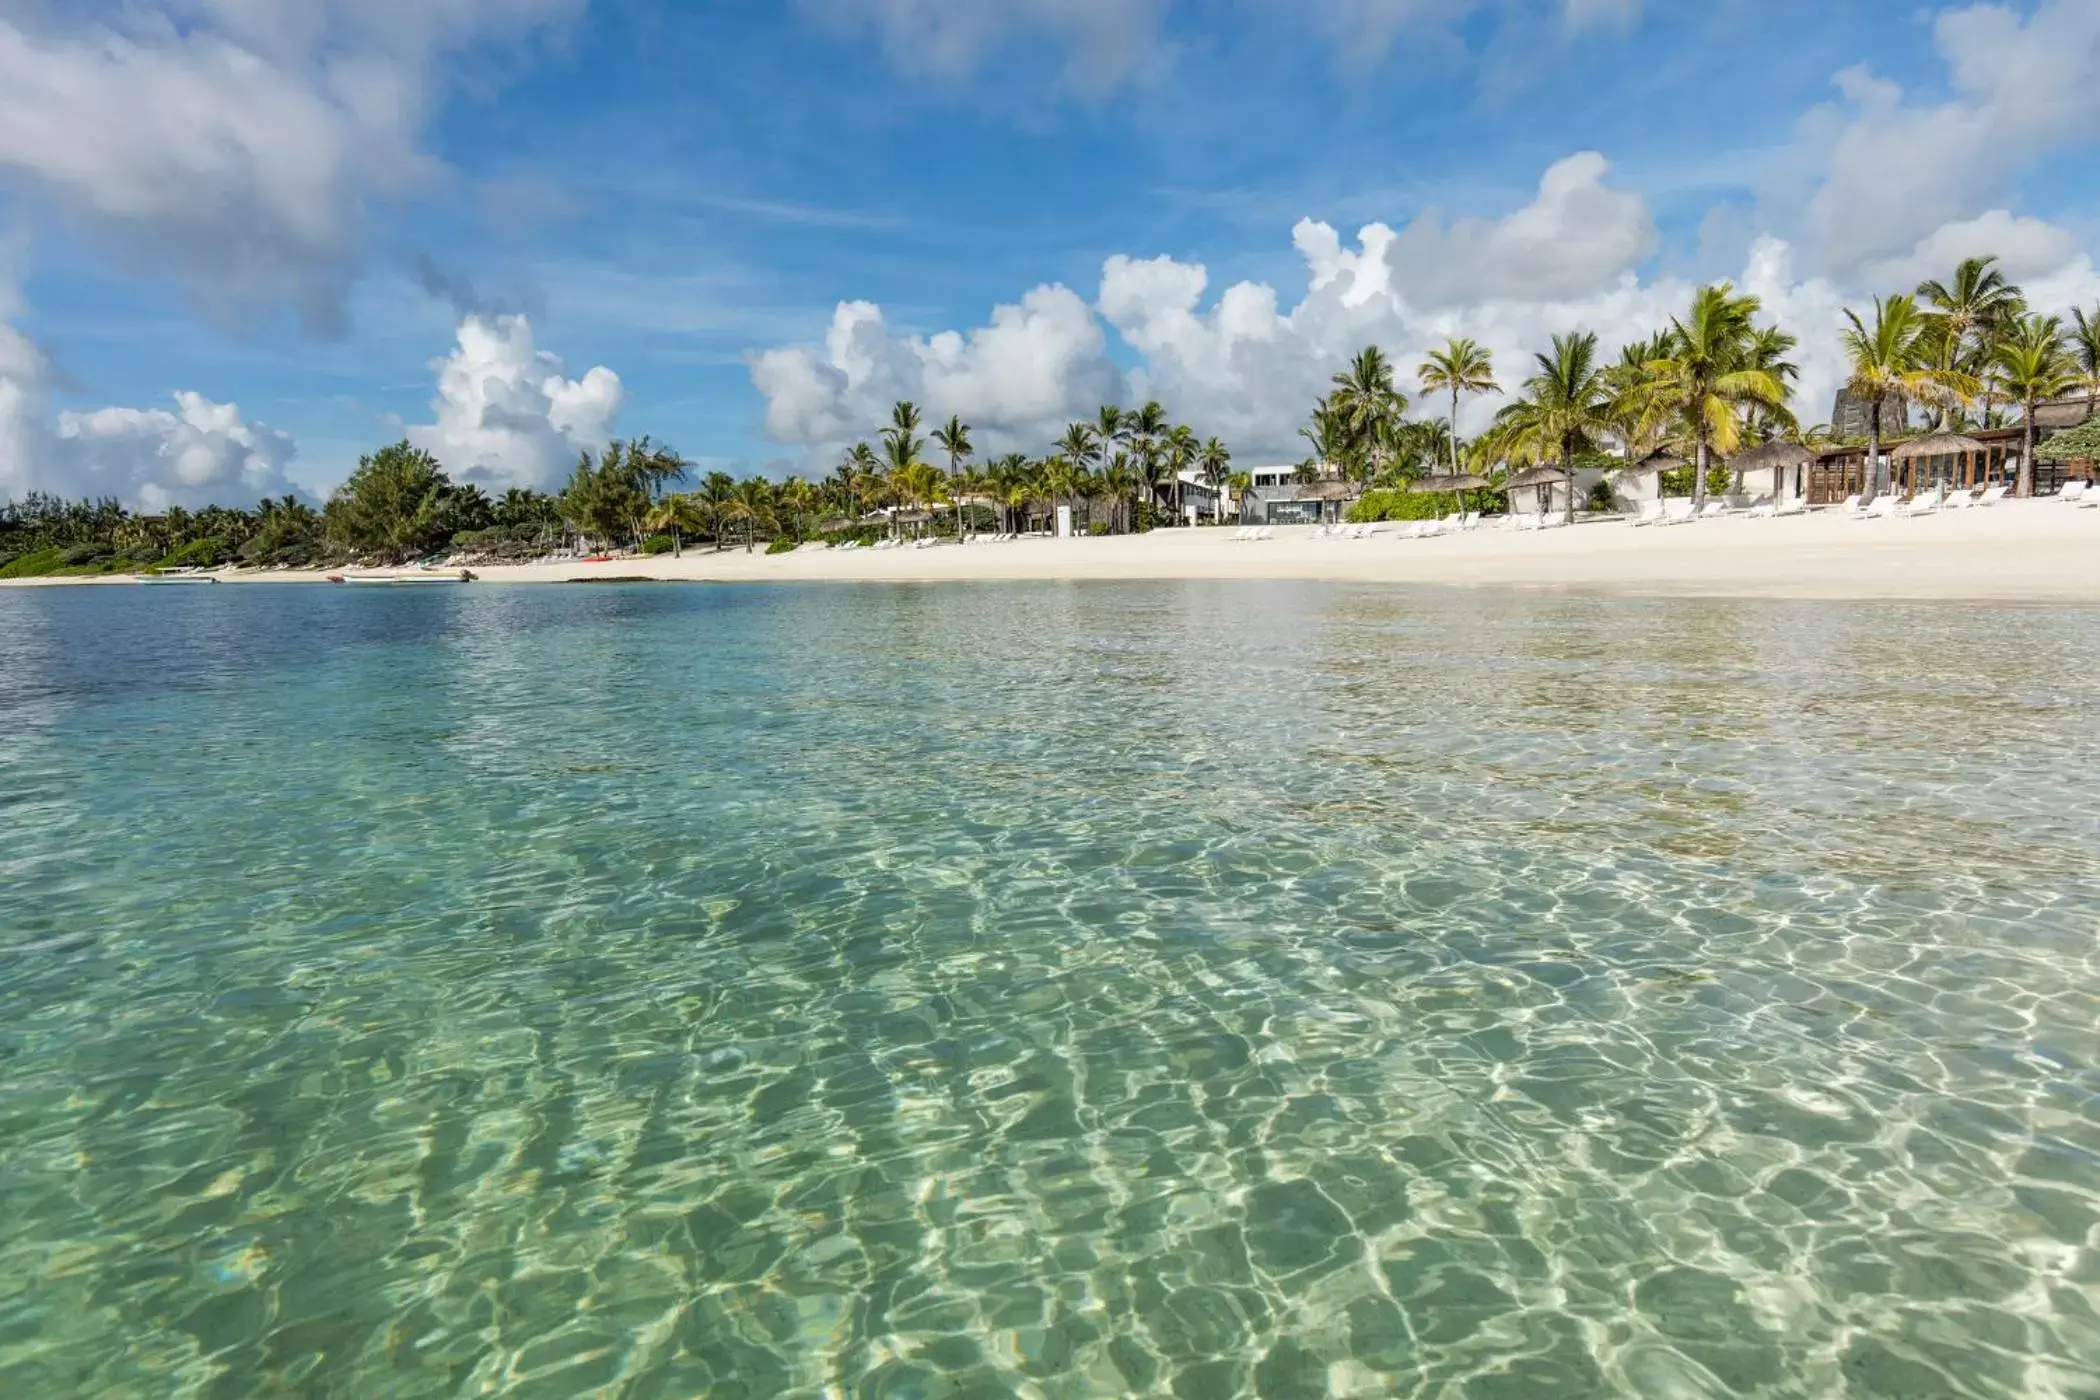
[658,544]
[1420,505]
[782,545]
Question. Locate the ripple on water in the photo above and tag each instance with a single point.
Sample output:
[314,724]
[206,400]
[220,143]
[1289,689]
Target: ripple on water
[1049,991]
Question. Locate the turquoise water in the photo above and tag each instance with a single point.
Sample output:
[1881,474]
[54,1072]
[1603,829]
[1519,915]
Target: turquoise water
[1278,990]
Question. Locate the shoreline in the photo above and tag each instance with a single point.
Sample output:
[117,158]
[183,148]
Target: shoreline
[2039,551]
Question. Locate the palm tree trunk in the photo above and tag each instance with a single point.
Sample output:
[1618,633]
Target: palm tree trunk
[1868,486]
[1699,475]
[1567,469]
[2027,450]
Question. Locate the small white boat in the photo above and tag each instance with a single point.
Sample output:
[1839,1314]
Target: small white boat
[397,580]
[177,576]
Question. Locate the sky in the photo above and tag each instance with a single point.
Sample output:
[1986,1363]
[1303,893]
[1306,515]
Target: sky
[243,242]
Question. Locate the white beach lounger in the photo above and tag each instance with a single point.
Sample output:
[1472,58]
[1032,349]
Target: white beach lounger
[1715,510]
[1991,495]
[1918,505]
[1651,513]
[2074,492]
[1677,510]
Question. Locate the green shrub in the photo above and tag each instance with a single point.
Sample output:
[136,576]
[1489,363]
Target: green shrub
[658,544]
[1601,498]
[1400,504]
[34,564]
[75,555]
[1098,528]
[782,545]
[1679,483]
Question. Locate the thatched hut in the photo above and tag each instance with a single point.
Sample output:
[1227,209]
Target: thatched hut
[1933,459]
[1785,463]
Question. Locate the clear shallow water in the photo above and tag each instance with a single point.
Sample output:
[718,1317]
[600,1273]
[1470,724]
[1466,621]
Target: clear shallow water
[1050,991]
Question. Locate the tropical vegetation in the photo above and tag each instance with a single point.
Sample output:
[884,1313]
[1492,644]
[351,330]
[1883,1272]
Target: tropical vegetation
[1717,379]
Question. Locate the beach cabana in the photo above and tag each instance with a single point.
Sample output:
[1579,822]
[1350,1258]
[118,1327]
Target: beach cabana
[1930,460]
[1787,461]
[1637,483]
[1542,482]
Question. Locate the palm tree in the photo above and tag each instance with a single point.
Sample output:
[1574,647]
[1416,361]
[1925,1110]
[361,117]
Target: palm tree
[1215,461]
[953,438]
[678,514]
[1364,404]
[1566,406]
[1109,429]
[1182,452]
[1463,366]
[1328,436]
[1968,316]
[2085,353]
[1711,372]
[2034,364]
[797,497]
[1894,356]
[1240,484]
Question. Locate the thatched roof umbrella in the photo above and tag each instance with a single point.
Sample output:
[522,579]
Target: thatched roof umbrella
[1542,479]
[1777,457]
[1653,463]
[1934,446]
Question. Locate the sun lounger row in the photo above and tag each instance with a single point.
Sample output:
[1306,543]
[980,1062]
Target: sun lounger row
[2080,493]
[1248,534]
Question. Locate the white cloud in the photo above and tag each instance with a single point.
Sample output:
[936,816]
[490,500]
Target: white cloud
[2024,247]
[1576,235]
[1038,364]
[1105,41]
[203,452]
[507,414]
[1888,171]
[200,453]
[236,143]
[1247,364]
[1109,42]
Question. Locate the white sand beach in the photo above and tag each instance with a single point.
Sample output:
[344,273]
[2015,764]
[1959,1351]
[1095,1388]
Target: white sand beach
[2042,551]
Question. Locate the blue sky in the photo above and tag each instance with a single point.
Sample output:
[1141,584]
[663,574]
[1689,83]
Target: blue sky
[672,191]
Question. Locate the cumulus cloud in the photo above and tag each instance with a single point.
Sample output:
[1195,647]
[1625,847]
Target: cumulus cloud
[507,414]
[2025,247]
[236,143]
[153,458]
[1240,367]
[1247,363]
[1889,171]
[1037,364]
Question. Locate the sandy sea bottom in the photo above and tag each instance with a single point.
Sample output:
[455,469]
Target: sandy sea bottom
[1045,990]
